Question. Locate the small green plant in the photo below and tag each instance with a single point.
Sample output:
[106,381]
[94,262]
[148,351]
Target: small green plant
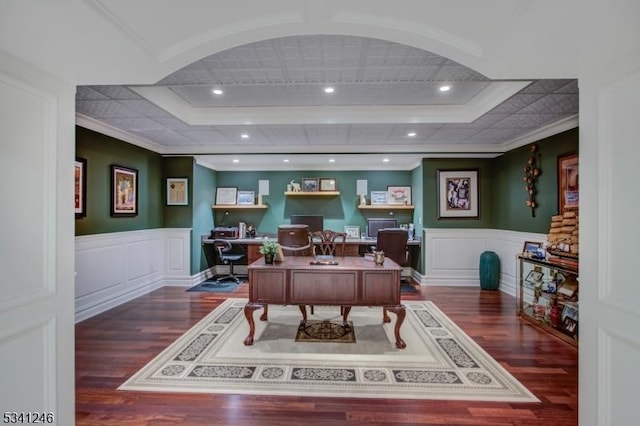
[269,247]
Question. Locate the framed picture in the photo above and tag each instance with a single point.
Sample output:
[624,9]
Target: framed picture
[531,247]
[399,195]
[177,191]
[328,184]
[458,194]
[124,191]
[568,191]
[379,198]
[534,277]
[80,187]
[246,198]
[226,195]
[352,231]
[309,184]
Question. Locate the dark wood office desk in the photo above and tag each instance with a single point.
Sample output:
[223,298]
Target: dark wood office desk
[354,281]
[353,247]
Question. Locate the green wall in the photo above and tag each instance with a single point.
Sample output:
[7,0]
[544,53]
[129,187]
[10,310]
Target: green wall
[204,193]
[501,203]
[509,196]
[101,152]
[337,211]
[177,216]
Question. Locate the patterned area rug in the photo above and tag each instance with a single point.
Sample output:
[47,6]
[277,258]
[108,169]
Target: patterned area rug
[440,361]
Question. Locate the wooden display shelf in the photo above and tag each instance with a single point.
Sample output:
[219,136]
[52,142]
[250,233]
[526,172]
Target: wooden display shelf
[312,194]
[238,207]
[386,207]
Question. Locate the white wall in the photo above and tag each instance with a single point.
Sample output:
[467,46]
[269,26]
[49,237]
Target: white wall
[452,256]
[116,267]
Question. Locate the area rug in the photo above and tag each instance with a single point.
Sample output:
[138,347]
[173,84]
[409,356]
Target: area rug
[439,362]
[213,286]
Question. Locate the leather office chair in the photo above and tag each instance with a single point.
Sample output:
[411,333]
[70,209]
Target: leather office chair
[223,248]
[393,242]
[295,240]
[329,243]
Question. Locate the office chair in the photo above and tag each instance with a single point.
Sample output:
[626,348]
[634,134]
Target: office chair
[393,242]
[223,248]
[330,243]
[295,240]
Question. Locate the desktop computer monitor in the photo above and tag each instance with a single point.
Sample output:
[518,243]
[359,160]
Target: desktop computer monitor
[314,222]
[374,225]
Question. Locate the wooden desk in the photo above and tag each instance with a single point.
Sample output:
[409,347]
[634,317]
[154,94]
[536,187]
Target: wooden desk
[355,281]
[353,247]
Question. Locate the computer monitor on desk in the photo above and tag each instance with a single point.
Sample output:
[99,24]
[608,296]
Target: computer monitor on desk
[374,225]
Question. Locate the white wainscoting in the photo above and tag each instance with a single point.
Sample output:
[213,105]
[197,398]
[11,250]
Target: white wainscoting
[452,256]
[116,267]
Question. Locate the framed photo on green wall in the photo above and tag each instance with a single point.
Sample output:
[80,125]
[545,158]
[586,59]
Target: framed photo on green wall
[458,194]
[177,191]
[80,186]
[124,191]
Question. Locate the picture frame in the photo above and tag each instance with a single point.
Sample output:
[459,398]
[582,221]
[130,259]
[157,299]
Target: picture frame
[80,187]
[226,195]
[328,184]
[177,191]
[534,277]
[458,196]
[379,198]
[399,195]
[568,181]
[531,247]
[124,191]
[352,231]
[309,184]
[246,198]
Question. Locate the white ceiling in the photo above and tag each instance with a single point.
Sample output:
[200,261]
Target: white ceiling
[384,89]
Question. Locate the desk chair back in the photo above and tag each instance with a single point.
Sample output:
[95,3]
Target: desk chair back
[224,250]
[295,240]
[393,242]
[329,243]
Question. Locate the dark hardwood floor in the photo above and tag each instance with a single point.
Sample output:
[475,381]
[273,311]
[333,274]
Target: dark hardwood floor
[114,345]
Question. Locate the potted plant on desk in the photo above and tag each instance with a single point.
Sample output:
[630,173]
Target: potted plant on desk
[269,249]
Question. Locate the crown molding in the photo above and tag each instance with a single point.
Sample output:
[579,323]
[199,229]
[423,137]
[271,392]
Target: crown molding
[108,130]
[560,126]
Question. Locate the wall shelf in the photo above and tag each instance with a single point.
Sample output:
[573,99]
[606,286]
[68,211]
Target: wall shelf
[386,207]
[239,207]
[312,194]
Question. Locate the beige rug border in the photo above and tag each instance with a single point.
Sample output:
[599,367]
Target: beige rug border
[145,380]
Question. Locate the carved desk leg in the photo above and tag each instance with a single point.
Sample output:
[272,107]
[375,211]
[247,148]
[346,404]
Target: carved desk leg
[385,316]
[345,315]
[400,312]
[248,314]
[303,322]
[265,313]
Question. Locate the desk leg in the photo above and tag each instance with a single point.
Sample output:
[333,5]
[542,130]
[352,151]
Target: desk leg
[265,313]
[345,315]
[385,316]
[400,312]
[248,314]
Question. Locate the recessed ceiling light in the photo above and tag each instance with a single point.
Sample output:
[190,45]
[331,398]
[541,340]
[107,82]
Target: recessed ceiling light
[385,160]
[445,88]
[286,160]
[412,134]
[332,160]
[217,91]
[329,89]
[244,136]
[235,160]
